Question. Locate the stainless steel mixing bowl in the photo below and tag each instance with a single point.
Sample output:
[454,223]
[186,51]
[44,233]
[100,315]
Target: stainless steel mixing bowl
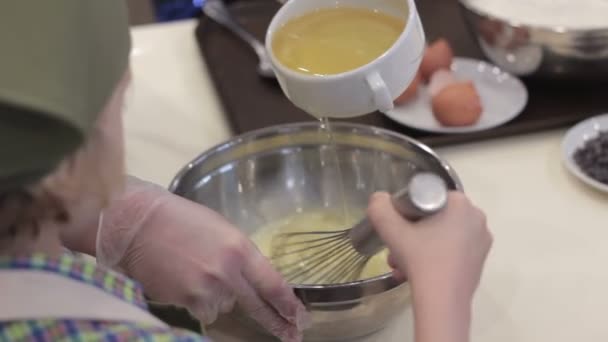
[547,52]
[263,176]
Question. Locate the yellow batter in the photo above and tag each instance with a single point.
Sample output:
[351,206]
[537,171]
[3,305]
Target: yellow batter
[321,220]
[335,40]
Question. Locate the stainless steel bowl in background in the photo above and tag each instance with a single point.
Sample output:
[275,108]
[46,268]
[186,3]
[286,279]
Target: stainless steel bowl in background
[263,176]
[538,51]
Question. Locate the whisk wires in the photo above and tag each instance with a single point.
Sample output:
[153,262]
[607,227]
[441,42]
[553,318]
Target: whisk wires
[323,257]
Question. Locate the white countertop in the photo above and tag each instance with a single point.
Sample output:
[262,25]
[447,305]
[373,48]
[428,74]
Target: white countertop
[546,278]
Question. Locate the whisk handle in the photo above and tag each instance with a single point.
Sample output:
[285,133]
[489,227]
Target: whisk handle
[425,195]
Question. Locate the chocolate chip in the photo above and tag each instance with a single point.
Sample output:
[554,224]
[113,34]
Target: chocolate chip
[592,158]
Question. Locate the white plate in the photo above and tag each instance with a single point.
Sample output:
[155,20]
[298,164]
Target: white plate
[503,97]
[575,138]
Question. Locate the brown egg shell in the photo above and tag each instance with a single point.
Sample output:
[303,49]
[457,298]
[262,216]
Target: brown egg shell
[457,105]
[411,91]
[439,55]
[439,80]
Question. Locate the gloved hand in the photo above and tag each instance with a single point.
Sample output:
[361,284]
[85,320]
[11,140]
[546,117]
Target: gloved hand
[445,250]
[187,255]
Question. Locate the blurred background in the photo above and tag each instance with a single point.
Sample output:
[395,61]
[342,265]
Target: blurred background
[150,11]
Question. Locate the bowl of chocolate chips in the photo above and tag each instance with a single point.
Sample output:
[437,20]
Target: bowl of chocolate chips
[585,151]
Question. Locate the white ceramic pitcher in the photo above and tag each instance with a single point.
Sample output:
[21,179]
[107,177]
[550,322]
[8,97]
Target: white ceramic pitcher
[360,91]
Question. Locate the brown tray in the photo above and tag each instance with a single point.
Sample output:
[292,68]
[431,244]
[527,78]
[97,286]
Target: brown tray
[252,102]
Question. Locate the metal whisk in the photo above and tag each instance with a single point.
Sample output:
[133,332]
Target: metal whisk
[333,257]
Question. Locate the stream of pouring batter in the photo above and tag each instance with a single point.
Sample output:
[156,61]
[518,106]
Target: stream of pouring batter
[334,163]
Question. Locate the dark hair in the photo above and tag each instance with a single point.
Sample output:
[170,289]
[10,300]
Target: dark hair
[25,209]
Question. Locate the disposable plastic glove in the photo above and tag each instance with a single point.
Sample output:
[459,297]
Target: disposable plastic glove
[188,255]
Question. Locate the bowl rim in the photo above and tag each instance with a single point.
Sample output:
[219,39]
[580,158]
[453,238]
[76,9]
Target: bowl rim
[318,293]
[557,29]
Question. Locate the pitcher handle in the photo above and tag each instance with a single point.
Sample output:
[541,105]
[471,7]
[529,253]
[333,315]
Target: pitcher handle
[382,96]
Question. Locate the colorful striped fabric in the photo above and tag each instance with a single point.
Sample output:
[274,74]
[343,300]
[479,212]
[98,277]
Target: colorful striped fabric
[86,271]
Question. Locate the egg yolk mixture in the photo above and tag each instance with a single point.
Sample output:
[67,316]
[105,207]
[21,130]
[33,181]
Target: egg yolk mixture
[335,40]
[321,220]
